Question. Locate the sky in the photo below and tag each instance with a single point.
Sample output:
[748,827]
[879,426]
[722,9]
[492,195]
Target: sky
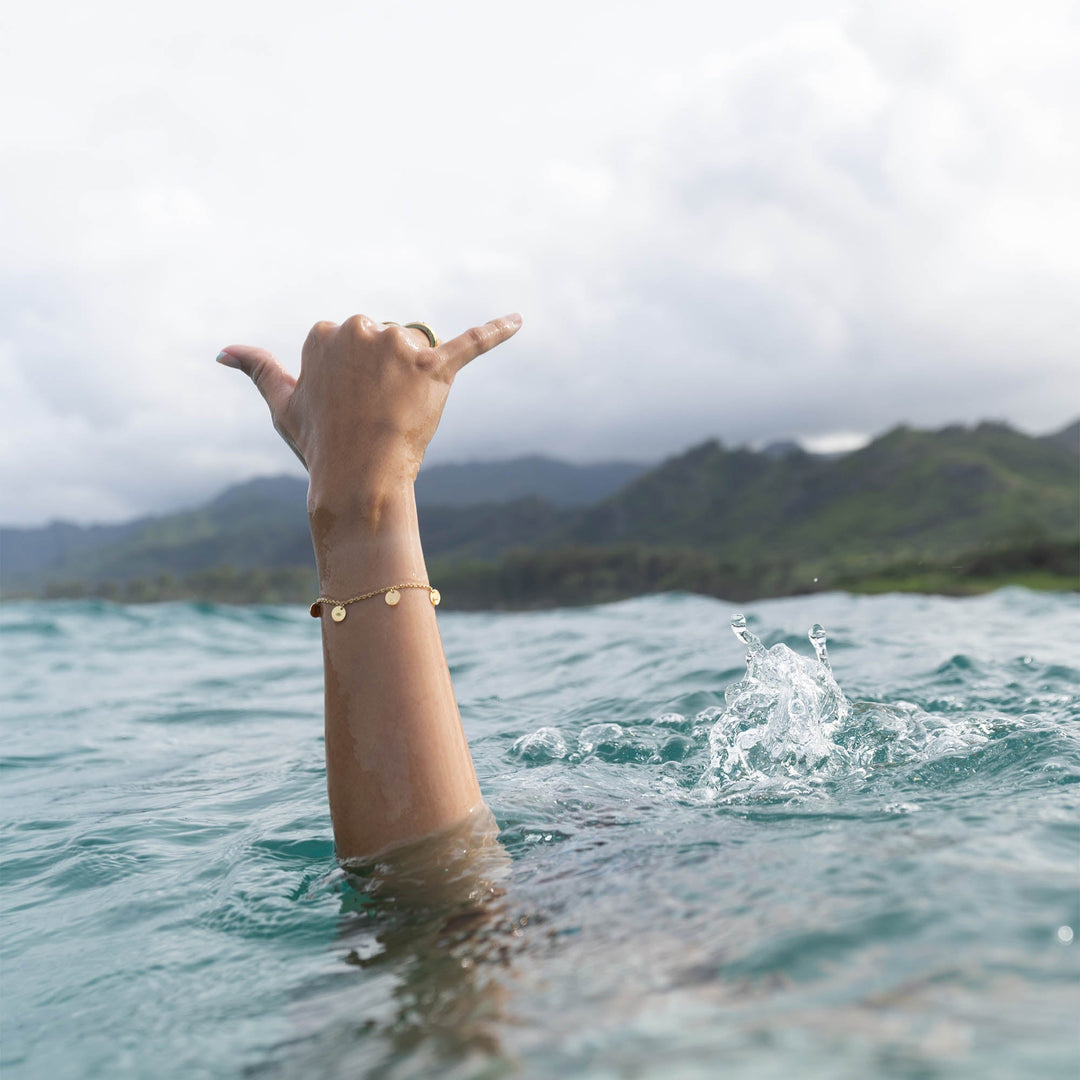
[802,220]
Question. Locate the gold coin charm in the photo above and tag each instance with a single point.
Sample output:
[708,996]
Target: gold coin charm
[392,597]
[434,596]
[339,613]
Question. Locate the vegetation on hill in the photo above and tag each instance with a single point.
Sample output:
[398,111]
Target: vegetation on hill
[587,575]
[953,510]
[907,492]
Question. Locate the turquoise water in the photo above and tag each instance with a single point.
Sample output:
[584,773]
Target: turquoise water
[876,876]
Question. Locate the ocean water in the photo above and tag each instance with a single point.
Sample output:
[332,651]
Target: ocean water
[718,856]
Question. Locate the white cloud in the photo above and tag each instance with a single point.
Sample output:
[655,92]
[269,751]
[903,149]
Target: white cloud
[840,442]
[746,223]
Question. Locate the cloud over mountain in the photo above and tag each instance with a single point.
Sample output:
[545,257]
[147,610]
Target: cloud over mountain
[744,224]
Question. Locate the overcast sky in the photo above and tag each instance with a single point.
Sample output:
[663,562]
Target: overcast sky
[744,221]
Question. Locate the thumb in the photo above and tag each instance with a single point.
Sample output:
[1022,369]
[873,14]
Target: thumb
[265,371]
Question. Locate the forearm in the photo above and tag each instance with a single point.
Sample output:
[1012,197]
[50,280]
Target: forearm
[398,766]
[360,417]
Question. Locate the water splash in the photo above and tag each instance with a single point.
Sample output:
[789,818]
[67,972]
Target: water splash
[540,746]
[781,718]
[788,728]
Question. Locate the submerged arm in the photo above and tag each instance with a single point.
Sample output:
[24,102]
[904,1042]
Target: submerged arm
[360,416]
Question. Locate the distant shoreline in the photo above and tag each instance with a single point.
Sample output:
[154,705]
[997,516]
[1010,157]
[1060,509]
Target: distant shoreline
[575,576]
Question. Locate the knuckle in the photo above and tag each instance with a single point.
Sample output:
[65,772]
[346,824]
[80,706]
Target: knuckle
[478,337]
[322,330]
[396,335]
[358,326]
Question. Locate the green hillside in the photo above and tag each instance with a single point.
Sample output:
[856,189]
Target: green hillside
[475,509]
[907,492]
[949,510]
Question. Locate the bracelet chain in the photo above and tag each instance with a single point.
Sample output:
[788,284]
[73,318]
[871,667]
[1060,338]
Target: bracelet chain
[391,592]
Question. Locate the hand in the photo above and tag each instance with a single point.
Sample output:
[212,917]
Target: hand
[367,402]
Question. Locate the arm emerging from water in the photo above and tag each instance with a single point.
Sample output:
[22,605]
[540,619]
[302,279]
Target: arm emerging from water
[360,416]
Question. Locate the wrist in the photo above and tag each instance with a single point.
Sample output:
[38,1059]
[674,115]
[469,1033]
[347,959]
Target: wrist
[357,508]
[361,479]
[360,489]
[365,538]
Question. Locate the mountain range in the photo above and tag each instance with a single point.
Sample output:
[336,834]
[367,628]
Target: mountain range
[909,496]
[263,522]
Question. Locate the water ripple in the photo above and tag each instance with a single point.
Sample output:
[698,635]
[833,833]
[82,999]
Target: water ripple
[781,869]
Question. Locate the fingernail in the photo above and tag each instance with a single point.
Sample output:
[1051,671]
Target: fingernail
[514,320]
[229,361]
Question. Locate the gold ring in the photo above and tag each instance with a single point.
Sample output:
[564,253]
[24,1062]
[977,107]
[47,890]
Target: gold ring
[423,327]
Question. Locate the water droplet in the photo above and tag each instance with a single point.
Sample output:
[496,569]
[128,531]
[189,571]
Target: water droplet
[1065,935]
[818,639]
[749,639]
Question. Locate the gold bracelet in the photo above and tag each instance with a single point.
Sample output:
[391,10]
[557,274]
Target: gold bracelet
[392,594]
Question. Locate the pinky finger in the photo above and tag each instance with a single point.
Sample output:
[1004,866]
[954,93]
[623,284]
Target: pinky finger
[457,352]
